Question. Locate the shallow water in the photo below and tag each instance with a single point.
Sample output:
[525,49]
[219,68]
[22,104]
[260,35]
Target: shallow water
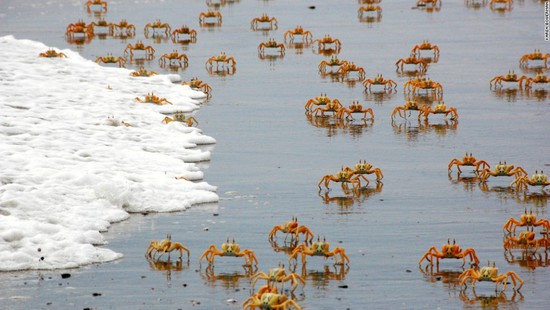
[269,158]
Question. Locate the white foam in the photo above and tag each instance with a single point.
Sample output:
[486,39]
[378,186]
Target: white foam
[70,167]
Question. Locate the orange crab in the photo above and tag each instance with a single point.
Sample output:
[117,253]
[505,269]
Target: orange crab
[408,106]
[427,85]
[278,275]
[292,229]
[354,108]
[179,116]
[511,77]
[468,160]
[101,23]
[101,3]
[534,56]
[110,59]
[449,251]
[333,106]
[220,58]
[79,28]
[272,44]
[501,170]
[537,179]
[431,3]
[507,3]
[412,60]
[155,26]
[321,100]
[379,80]
[539,79]
[320,248]
[210,18]
[440,108]
[348,67]
[51,53]
[327,41]
[490,273]
[269,300]
[369,9]
[165,246]
[124,28]
[151,98]
[363,167]
[195,83]
[191,34]
[139,46]
[173,59]
[298,31]
[229,249]
[332,62]
[343,176]
[425,46]
[526,219]
[526,241]
[264,19]
[143,72]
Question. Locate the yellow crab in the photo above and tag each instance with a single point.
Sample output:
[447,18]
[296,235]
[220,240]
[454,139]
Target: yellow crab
[537,179]
[269,300]
[440,108]
[410,105]
[110,59]
[195,83]
[320,248]
[278,275]
[143,72]
[501,170]
[490,273]
[165,246]
[51,53]
[354,108]
[180,117]
[229,249]
[151,98]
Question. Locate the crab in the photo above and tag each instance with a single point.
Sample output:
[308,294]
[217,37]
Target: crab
[536,55]
[320,248]
[425,46]
[365,168]
[526,219]
[319,101]
[110,59]
[511,77]
[490,273]
[412,60]
[501,170]
[195,83]
[79,28]
[102,23]
[291,228]
[139,46]
[179,116]
[408,106]
[508,3]
[262,20]
[449,251]
[343,176]
[408,85]
[427,85]
[354,108]
[332,62]
[298,31]
[440,108]
[333,106]
[204,16]
[327,40]
[468,160]
[428,3]
[165,246]
[526,240]
[348,67]
[143,72]
[269,300]
[151,98]
[51,53]
[174,58]
[157,25]
[220,58]
[271,43]
[101,3]
[229,249]
[379,80]
[124,28]
[278,275]
[539,79]
[537,179]
[184,30]
[369,9]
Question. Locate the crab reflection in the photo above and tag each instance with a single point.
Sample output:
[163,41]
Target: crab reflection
[491,301]
[321,279]
[508,94]
[469,182]
[327,52]
[413,129]
[221,71]
[286,247]
[536,199]
[449,278]
[349,198]
[541,95]
[378,97]
[370,19]
[228,280]
[475,4]
[527,259]
[298,47]
[167,266]
[335,125]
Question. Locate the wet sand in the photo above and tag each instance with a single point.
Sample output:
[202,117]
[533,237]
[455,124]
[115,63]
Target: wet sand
[269,158]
